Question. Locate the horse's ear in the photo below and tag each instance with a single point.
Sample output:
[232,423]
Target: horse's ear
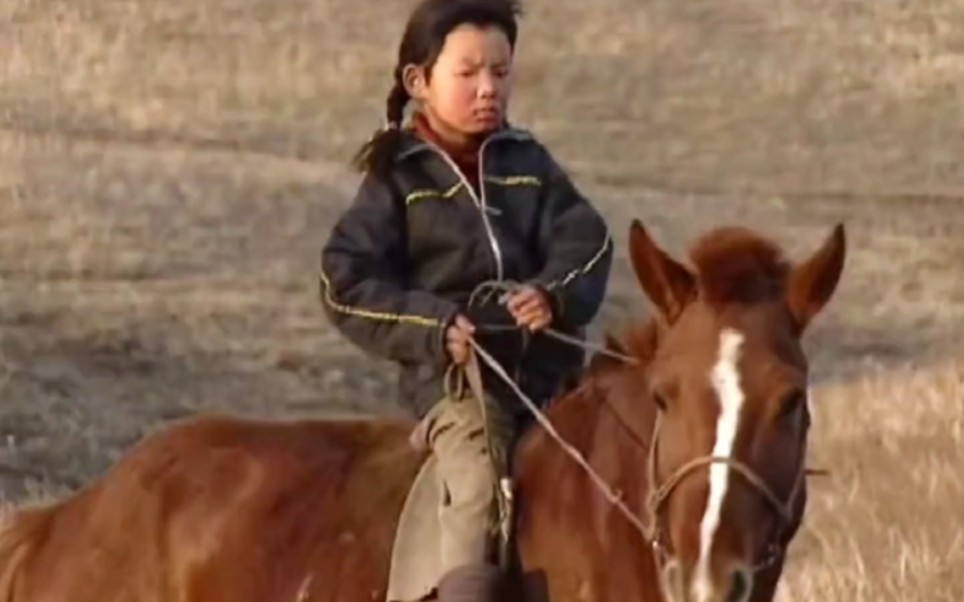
[667,283]
[813,282]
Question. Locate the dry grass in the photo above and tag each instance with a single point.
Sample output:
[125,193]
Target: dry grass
[886,525]
[169,170]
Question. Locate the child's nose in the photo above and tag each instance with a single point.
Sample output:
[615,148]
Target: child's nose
[488,87]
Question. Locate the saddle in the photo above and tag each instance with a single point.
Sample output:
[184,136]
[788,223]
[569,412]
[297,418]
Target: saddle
[416,560]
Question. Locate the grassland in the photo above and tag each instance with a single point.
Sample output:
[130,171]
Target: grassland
[168,172]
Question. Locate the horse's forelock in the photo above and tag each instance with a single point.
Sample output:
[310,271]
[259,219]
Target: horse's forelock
[736,265]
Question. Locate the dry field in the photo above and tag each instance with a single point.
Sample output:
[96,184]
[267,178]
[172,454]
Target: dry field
[168,172]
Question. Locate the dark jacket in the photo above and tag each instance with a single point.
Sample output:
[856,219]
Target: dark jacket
[403,260]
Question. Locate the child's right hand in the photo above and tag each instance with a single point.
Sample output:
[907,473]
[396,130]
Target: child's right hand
[457,339]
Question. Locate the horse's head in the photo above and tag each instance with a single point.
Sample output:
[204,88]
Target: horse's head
[730,378]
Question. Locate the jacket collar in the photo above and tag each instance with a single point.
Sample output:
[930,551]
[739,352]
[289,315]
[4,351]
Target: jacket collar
[413,145]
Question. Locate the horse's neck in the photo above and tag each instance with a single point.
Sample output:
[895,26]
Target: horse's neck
[610,423]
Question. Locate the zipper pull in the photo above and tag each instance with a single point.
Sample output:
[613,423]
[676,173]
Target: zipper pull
[493,211]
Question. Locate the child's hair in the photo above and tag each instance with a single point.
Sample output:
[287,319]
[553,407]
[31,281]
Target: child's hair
[422,43]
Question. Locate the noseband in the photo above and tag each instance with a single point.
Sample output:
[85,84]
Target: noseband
[782,510]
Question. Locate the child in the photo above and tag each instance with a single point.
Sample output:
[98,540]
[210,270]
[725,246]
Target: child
[452,200]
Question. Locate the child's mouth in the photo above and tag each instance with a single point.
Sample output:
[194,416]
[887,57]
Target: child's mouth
[487,117]
[487,114]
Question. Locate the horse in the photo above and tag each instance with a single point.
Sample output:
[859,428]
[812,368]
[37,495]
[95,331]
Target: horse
[703,437]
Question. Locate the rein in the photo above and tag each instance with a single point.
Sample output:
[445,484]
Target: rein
[484,293]
[656,500]
[473,376]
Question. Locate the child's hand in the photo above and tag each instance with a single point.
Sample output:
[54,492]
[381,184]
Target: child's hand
[530,308]
[457,339]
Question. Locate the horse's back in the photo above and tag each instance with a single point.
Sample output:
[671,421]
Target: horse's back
[221,508]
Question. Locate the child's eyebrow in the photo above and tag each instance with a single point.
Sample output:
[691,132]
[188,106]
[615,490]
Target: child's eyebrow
[476,63]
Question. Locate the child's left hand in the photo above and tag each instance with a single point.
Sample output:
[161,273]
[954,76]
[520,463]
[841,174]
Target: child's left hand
[530,308]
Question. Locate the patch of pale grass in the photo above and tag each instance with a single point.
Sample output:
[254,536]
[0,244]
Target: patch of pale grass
[904,50]
[887,524]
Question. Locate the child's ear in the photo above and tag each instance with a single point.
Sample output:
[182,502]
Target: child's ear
[414,80]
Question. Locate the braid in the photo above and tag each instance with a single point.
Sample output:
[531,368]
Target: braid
[395,105]
[376,155]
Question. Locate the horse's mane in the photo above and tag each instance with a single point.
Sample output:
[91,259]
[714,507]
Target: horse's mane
[736,265]
[638,342]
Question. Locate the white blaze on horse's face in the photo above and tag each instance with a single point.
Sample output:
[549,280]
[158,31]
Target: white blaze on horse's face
[725,378]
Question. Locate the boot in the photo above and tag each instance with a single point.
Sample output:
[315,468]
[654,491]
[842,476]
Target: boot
[472,583]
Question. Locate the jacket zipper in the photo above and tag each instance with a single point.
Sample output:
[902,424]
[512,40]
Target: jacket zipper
[479,200]
[484,210]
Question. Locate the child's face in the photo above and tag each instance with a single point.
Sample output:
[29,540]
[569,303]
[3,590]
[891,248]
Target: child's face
[468,90]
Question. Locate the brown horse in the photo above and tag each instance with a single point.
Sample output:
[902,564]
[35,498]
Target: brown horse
[710,427]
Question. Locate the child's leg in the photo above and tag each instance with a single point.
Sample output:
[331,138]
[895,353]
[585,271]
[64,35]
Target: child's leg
[467,475]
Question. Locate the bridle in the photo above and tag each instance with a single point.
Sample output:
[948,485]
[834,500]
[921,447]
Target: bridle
[783,510]
[652,529]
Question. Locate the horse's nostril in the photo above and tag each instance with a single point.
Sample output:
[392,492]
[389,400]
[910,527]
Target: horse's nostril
[741,583]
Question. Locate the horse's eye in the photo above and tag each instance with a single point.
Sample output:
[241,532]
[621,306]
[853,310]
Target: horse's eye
[793,402]
[660,400]
[663,392]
